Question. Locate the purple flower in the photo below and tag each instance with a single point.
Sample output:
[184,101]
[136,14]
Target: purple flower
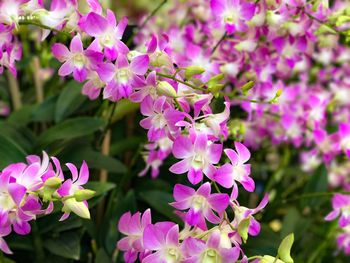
[107,33]
[228,174]
[341,207]
[198,156]
[163,238]
[232,14]
[122,77]
[211,251]
[76,60]
[201,204]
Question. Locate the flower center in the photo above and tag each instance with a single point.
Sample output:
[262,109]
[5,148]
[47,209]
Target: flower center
[199,202]
[6,202]
[107,40]
[198,161]
[172,255]
[211,256]
[79,60]
[123,75]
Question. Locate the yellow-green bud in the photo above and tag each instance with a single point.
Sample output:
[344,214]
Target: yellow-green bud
[84,194]
[191,71]
[78,208]
[285,247]
[53,182]
[164,88]
[247,87]
[269,259]
[243,229]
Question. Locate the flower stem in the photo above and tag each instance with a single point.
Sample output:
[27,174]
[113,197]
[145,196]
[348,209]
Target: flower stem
[219,42]
[181,81]
[14,91]
[38,24]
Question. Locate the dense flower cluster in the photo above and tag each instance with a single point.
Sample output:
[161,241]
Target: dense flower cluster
[28,190]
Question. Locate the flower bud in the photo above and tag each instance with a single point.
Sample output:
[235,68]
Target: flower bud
[164,88]
[83,194]
[285,247]
[53,182]
[243,229]
[247,87]
[78,208]
[191,71]
[269,259]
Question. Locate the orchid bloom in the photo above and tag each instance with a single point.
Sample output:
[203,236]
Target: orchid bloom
[122,77]
[228,174]
[107,33]
[201,204]
[341,207]
[163,238]
[210,251]
[232,14]
[133,227]
[198,156]
[76,60]
[70,187]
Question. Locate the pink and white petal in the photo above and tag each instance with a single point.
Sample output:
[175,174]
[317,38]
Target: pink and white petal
[182,192]
[83,174]
[243,152]
[146,218]
[121,47]
[121,27]
[211,217]
[76,46]
[123,224]
[180,167]
[182,147]
[232,155]
[139,64]
[332,215]
[106,71]
[17,192]
[204,189]
[112,22]
[60,52]
[153,238]
[224,177]
[214,239]
[201,142]
[262,204]
[219,202]
[231,255]
[80,74]
[194,176]
[64,217]
[154,258]
[74,171]
[21,227]
[248,183]
[254,227]
[4,247]
[152,44]
[214,153]
[95,25]
[217,7]
[66,69]
[172,237]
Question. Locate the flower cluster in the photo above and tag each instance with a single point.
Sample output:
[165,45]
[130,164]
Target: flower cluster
[28,190]
[341,209]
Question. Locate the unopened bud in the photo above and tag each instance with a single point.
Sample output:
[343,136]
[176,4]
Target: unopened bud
[247,87]
[84,194]
[53,182]
[78,208]
[192,71]
[164,88]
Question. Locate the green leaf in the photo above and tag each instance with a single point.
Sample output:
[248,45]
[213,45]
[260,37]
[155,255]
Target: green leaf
[22,116]
[290,221]
[317,183]
[69,100]
[102,256]
[96,160]
[66,245]
[70,129]
[21,135]
[123,108]
[285,247]
[10,152]
[99,187]
[45,111]
[160,200]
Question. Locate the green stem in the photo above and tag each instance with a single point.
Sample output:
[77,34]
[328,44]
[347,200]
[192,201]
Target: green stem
[312,195]
[38,24]
[181,81]
[219,42]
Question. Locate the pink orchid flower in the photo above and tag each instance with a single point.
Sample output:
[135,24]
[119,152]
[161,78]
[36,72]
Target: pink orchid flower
[228,174]
[164,240]
[341,207]
[201,204]
[133,227]
[210,251]
[232,14]
[76,60]
[122,77]
[198,156]
[107,33]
